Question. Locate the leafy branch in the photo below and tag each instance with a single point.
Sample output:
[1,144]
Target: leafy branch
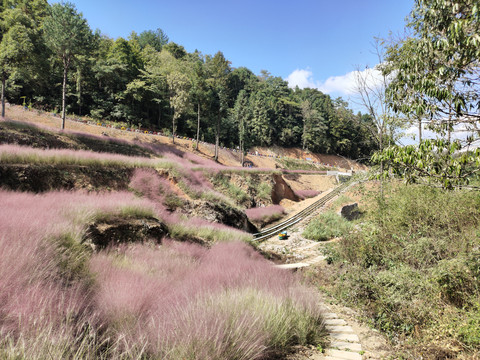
[435,162]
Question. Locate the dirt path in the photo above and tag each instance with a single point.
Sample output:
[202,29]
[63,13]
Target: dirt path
[349,339]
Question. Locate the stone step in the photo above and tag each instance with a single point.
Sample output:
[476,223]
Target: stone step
[345,337]
[329,315]
[344,355]
[335,322]
[339,329]
[343,345]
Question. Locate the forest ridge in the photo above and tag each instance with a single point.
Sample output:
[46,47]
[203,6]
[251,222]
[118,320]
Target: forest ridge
[51,59]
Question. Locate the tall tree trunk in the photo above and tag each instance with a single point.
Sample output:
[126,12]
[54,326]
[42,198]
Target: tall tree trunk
[159,115]
[198,124]
[64,91]
[242,157]
[304,135]
[79,91]
[3,96]
[242,139]
[173,129]
[217,136]
[381,163]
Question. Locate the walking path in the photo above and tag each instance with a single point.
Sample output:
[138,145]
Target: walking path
[348,339]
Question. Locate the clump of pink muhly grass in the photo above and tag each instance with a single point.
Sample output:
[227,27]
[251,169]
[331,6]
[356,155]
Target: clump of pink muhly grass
[263,213]
[25,154]
[162,296]
[32,297]
[306,194]
[147,299]
[35,291]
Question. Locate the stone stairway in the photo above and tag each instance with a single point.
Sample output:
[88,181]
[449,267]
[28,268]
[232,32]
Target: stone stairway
[344,343]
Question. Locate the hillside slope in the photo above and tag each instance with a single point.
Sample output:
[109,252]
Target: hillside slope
[271,158]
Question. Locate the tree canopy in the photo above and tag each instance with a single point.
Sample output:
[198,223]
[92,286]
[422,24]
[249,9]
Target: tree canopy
[149,81]
[435,80]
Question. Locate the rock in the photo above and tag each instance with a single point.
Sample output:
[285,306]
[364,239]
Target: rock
[220,213]
[124,230]
[281,190]
[350,212]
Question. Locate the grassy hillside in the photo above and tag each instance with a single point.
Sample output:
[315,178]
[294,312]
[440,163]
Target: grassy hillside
[118,250]
[413,267]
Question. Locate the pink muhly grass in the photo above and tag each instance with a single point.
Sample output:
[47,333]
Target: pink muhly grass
[26,155]
[154,188]
[171,297]
[33,295]
[30,277]
[162,300]
[306,194]
[264,213]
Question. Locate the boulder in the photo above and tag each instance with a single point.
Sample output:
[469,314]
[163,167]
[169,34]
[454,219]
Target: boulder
[124,230]
[350,212]
[219,212]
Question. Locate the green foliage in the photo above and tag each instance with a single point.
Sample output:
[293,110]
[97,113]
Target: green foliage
[156,39]
[68,35]
[222,182]
[468,331]
[184,232]
[327,226]
[292,164]
[431,162]
[435,69]
[414,265]
[132,212]
[148,82]
[264,191]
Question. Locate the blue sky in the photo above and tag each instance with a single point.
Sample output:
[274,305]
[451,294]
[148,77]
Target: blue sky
[312,43]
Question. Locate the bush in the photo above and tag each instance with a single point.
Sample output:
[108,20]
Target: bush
[264,191]
[265,214]
[327,226]
[414,267]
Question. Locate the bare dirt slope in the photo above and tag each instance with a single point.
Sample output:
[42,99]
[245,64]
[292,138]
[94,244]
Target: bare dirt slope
[226,157]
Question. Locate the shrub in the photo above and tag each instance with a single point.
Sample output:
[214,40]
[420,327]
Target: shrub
[265,214]
[221,181]
[327,226]
[306,194]
[413,267]
[264,191]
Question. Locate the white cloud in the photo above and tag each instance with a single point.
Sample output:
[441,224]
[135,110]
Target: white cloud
[340,85]
[301,78]
[460,132]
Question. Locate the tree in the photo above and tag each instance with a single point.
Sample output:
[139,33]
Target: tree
[179,85]
[156,39]
[178,51]
[241,116]
[18,37]
[436,69]
[370,87]
[219,68]
[435,75]
[14,49]
[67,34]
[199,90]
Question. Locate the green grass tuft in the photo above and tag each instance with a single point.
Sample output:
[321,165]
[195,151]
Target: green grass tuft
[327,226]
